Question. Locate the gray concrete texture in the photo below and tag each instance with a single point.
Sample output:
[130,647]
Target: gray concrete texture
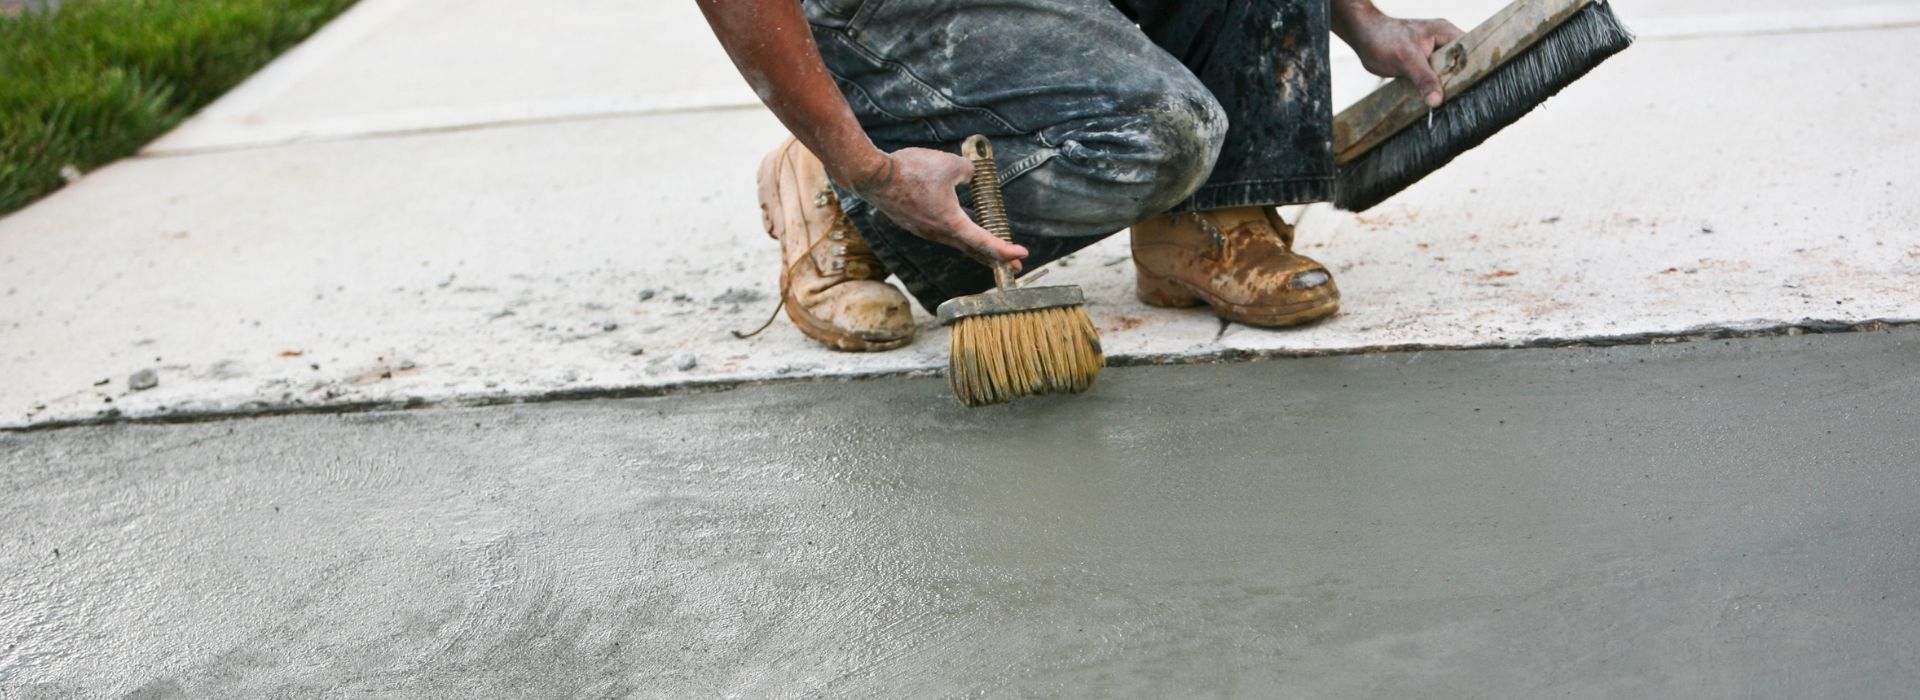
[1727,518]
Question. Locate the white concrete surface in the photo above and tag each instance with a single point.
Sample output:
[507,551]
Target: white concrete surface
[401,66]
[406,66]
[468,202]
[1682,188]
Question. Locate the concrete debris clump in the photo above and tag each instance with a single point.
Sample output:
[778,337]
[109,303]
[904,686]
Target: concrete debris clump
[143,380]
[738,295]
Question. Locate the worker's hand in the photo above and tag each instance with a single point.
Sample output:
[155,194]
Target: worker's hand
[915,187]
[768,40]
[1398,48]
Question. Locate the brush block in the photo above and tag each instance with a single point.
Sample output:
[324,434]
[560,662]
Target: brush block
[1461,64]
[1003,301]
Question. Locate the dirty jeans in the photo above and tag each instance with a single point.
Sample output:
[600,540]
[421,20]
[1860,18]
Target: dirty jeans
[1102,112]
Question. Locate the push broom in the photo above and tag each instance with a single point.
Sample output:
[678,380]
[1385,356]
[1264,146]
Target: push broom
[1013,340]
[1492,76]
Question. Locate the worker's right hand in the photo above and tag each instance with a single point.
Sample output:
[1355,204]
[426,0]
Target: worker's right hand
[915,187]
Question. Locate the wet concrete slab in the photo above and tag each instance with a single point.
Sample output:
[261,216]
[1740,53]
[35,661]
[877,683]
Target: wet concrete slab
[1717,518]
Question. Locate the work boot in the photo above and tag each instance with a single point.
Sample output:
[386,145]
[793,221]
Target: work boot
[831,283]
[1239,261]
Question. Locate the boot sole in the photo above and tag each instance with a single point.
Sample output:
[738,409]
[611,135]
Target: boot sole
[1169,292]
[814,329]
[773,218]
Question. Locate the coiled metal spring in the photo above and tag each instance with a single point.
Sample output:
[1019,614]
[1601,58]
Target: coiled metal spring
[988,204]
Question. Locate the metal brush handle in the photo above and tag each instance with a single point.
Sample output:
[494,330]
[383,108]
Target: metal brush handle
[988,204]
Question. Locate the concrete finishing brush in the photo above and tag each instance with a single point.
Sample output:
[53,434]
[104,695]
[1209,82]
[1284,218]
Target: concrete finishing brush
[1014,341]
[1492,76]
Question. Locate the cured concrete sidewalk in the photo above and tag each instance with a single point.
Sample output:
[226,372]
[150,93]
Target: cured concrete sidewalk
[443,202]
[1701,520]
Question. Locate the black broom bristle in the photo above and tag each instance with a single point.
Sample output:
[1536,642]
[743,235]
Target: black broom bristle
[1590,36]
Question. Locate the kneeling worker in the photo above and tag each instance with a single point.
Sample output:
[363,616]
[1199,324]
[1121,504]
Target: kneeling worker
[1188,121]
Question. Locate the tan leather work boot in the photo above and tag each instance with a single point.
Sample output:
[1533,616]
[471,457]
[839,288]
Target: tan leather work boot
[830,281]
[1239,261]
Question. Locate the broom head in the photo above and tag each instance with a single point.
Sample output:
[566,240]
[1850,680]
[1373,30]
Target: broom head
[1521,82]
[1022,341]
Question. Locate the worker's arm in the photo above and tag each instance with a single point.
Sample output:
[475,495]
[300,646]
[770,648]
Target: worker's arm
[770,43]
[1394,48]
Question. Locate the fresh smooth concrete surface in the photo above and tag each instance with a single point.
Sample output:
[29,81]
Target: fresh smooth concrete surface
[493,201]
[1713,519]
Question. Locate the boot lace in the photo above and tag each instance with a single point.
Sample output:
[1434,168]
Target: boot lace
[853,257]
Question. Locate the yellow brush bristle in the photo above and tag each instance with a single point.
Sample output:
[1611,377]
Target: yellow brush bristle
[1001,357]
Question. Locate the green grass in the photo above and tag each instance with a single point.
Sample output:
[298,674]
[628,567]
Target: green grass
[98,79]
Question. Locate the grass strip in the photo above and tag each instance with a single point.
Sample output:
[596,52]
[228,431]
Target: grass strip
[96,79]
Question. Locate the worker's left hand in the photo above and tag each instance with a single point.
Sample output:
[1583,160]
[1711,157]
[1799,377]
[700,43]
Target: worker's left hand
[1398,48]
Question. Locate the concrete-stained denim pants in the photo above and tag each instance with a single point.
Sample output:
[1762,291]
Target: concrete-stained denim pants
[1102,112]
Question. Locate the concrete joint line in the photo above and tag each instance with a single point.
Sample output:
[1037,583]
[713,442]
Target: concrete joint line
[1209,356]
[398,126]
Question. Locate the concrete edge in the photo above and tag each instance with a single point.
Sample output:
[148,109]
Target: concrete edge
[347,29]
[1804,326]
